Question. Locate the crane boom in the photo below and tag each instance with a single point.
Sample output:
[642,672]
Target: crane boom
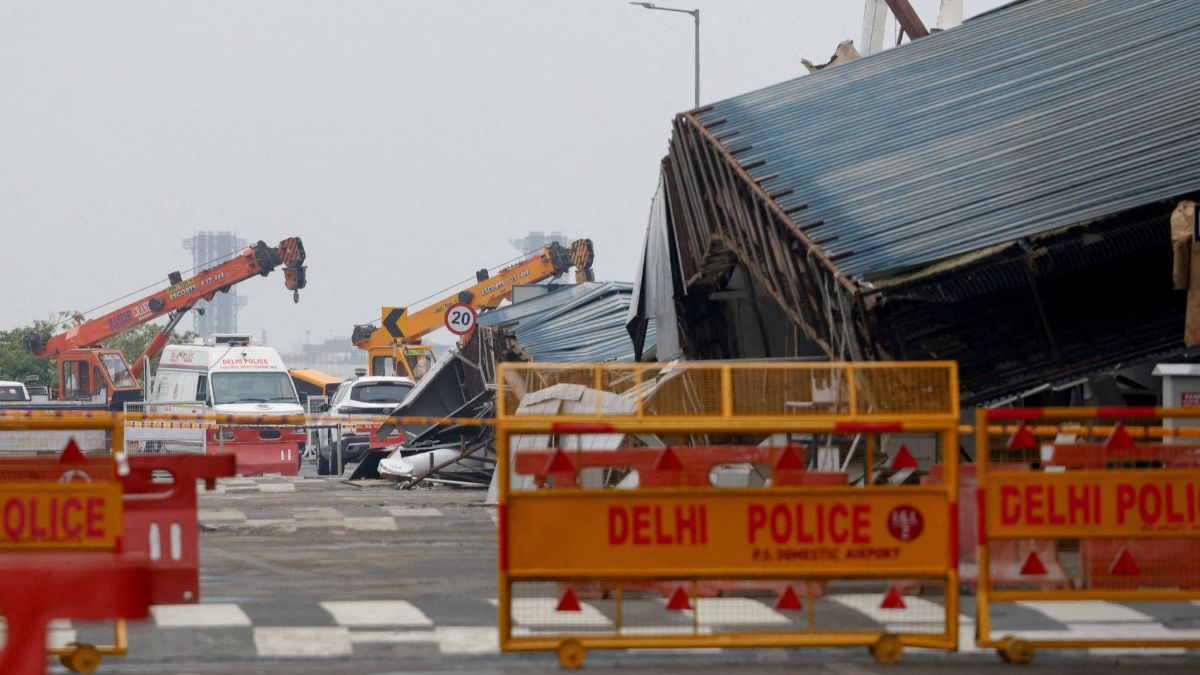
[259,259]
[399,327]
[87,372]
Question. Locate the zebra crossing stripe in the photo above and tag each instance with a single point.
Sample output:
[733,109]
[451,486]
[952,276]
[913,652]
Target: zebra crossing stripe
[203,615]
[325,642]
[376,613]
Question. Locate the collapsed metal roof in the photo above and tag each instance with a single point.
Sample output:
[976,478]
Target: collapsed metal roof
[998,194]
[1037,116]
[579,323]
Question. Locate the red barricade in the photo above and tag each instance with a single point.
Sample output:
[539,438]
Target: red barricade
[161,521]
[38,587]
[48,571]
[259,450]
[151,558]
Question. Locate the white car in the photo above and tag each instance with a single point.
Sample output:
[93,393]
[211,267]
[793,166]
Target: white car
[13,392]
[374,396]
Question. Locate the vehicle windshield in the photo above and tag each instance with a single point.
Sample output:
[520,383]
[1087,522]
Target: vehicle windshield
[252,388]
[419,361]
[118,371]
[10,393]
[381,392]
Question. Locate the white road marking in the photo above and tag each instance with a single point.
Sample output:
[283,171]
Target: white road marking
[392,636]
[666,630]
[1086,611]
[541,613]
[406,512]
[1139,651]
[276,487]
[320,523]
[281,524]
[454,640]
[736,611]
[190,616]
[316,513]
[60,633]
[220,515]
[370,523]
[376,613]
[326,642]
[451,640]
[671,630]
[233,482]
[918,616]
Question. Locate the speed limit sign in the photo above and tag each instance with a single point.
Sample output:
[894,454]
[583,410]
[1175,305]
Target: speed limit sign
[460,318]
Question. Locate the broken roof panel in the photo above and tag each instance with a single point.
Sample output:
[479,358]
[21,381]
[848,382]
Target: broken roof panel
[1033,117]
[578,323]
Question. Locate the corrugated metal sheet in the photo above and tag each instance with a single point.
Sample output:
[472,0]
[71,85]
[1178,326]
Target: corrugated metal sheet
[1036,116]
[652,308]
[578,323]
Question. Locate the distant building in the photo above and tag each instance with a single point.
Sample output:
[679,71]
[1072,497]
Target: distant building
[536,240]
[208,249]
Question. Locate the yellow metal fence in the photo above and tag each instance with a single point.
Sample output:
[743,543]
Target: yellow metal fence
[1087,504]
[614,532]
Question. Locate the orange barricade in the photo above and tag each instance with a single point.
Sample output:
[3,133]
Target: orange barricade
[1087,504]
[614,533]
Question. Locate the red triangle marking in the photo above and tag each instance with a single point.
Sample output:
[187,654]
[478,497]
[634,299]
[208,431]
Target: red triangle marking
[789,459]
[892,599]
[788,600]
[1119,439]
[559,463]
[1123,565]
[1023,440]
[1033,565]
[903,459]
[568,602]
[679,600]
[668,461]
[71,454]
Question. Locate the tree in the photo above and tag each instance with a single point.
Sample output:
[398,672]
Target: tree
[18,364]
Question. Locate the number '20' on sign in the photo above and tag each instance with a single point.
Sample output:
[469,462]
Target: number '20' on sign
[460,318]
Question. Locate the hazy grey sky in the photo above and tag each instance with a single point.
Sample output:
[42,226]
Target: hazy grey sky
[404,141]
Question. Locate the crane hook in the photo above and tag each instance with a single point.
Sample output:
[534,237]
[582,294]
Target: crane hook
[296,296]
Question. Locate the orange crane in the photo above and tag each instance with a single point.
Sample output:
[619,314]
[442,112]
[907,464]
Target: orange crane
[87,371]
[394,347]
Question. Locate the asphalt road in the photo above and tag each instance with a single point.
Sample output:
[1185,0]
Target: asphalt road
[317,576]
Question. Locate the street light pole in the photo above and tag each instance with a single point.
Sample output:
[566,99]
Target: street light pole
[696,17]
